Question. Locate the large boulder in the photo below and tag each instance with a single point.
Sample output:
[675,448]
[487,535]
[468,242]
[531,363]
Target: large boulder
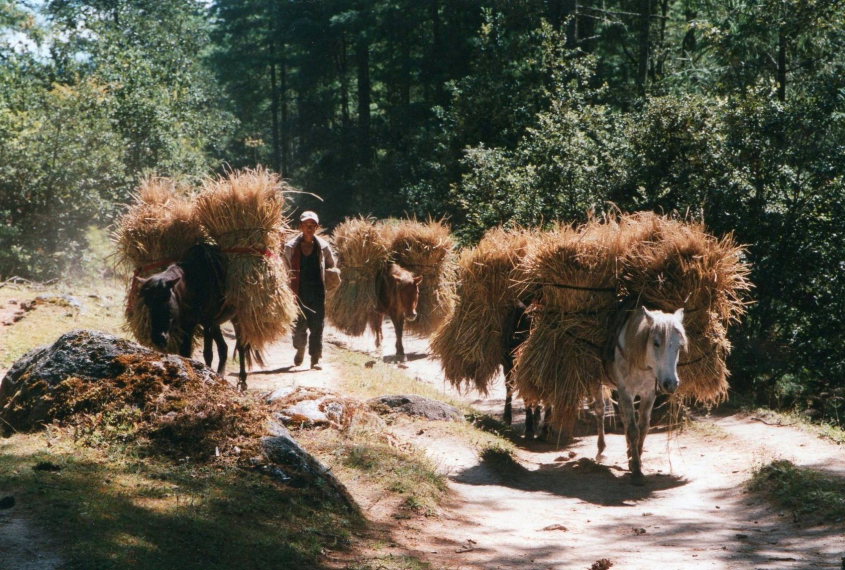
[178,407]
[31,391]
[414,405]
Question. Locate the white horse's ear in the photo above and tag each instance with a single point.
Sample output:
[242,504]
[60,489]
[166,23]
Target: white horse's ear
[679,314]
[648,314]
[173,281]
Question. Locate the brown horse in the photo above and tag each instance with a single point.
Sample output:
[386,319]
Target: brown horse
[189,294]
[515,330]
[398,292]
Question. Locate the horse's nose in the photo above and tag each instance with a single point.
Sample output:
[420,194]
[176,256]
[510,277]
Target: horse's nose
[669,385]
[159,341]
[412,316]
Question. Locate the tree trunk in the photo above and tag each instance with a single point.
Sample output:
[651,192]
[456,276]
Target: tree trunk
[274,115]
[283,103]
[343,71]
[781,71]
[644,51]
[363,62]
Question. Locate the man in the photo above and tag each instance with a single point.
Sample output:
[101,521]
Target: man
[307,257]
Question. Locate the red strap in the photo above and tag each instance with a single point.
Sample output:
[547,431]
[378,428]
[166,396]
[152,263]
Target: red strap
[253,250]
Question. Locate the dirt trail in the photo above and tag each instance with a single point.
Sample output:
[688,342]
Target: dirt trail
[559,510]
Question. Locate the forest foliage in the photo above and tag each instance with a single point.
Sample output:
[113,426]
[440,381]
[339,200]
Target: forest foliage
[489,112]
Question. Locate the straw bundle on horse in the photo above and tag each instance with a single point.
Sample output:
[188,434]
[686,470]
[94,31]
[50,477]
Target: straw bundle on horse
[575,275]
[363,253]
[588,279]
[158,229]
[470,343]
[679,264]
[426,249]
[243,212]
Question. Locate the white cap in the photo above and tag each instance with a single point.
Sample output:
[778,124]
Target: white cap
[309,215]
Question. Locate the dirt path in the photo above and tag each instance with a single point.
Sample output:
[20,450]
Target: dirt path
[559,510]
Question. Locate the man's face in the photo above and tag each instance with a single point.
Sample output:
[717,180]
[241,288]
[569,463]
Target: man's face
[308,228]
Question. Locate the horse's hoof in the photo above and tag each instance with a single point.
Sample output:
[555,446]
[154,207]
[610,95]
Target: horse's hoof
[637,479]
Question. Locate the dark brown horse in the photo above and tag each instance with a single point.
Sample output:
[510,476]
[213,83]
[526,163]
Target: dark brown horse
[189,294]
[398,292]
[515,331]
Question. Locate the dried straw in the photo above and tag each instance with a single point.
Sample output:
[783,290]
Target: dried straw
[574,273]
[680,265]
[363,251]
[426,249]
[470,343]
[156,230]
[243,212]
[585,276]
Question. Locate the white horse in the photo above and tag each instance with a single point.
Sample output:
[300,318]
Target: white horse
[644,364]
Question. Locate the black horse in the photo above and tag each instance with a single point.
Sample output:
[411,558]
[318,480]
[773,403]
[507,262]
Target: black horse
[515,331]
[191,293]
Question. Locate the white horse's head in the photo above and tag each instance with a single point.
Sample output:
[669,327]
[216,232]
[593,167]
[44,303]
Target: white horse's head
[664,337]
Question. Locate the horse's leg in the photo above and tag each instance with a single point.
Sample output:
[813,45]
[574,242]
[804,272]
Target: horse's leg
[632,435]
[646,406]
[598,410]
[242,370]
[531,420]
[222,349]
[508,415]
[186,345]
[399,326]
[507,368]
[545,428]
[375,326]
[242,354]
[207,345]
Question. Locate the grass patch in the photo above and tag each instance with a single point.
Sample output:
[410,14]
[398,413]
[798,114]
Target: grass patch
[390,562]
[827,431]
[122,513]
[382,379]
[804,491]
[368,454]
[57,309]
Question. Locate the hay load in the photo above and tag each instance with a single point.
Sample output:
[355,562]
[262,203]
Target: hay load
[243,212]
[574,273]
[157,229]
[426,249]
[681,265]
[587,277]
[363,251]
[469,344]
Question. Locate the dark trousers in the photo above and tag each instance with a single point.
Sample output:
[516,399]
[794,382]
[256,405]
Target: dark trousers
[312,314]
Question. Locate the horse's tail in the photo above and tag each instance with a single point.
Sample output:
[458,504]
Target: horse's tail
[251,355]
[254,355]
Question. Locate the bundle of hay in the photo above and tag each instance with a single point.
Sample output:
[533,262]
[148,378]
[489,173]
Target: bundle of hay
[157,229]
[470,343]
[363,251]
[575,275]
[426,249]
[588,277]
[244,213]
[679,264]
